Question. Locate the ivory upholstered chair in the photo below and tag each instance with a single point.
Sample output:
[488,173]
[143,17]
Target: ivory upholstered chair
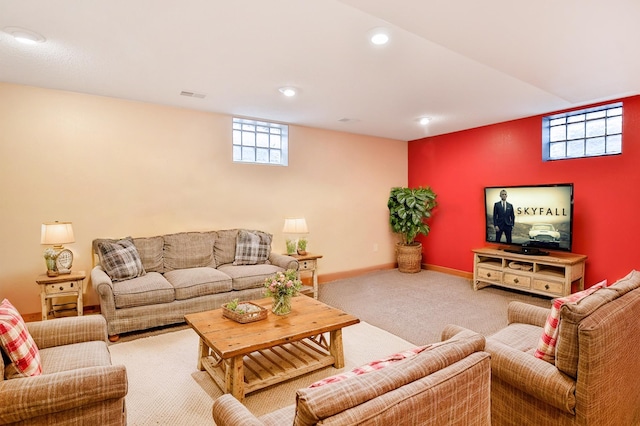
[78,384]
[594,379]
[446,384]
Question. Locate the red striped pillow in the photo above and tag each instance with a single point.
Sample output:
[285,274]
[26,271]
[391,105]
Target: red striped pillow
[17,343]
[547,345]
[372,366]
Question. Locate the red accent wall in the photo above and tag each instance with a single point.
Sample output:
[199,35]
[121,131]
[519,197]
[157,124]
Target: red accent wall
[606,191]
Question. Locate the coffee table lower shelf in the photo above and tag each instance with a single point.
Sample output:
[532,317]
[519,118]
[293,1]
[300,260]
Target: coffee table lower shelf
[266,367]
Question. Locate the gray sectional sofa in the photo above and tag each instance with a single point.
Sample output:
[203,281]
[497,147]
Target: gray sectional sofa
[154,281]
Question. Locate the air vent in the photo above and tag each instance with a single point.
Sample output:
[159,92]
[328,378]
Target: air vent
[348,120]
[192,94]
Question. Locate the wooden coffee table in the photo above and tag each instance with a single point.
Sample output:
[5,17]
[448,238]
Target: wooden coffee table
[242,358]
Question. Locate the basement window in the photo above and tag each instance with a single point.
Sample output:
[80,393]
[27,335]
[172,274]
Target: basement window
[260,142]
[591,132]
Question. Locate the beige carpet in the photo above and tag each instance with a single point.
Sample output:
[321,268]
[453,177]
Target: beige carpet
[417,307]
[165,388]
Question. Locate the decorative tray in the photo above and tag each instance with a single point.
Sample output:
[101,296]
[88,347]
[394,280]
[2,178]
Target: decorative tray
[245,312]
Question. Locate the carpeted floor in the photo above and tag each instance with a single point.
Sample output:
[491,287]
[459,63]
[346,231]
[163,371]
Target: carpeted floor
[418,306]
[165,388]
[397,311]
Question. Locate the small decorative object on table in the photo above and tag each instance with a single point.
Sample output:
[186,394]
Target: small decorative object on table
[302,246]
[243,312]
[282,287]
[50,259]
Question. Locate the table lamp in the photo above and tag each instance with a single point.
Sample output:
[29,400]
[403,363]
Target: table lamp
[294,227]
[58,259]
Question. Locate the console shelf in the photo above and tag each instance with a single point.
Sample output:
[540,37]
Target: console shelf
[550,275]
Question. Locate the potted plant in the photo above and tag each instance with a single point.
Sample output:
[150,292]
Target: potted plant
[302,246]
[409,208]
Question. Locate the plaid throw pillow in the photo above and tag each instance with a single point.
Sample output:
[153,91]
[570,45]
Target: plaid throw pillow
[547,345]
[252,247]
[120,259]
[372,366]
[18,344]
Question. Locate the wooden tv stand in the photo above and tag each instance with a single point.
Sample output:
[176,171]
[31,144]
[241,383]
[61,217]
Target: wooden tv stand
[549,275]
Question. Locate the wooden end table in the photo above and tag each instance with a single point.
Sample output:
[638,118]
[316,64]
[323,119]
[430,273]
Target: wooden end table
[309,263]
[242,358]
[60,286]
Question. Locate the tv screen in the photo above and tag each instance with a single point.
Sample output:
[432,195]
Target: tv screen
[530,218]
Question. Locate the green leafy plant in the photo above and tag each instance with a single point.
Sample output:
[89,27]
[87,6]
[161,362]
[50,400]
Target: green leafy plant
[409,208]
[302,244]
[291,246]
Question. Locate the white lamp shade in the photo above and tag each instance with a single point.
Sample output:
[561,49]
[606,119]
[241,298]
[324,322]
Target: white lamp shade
[57,233]
[295,226]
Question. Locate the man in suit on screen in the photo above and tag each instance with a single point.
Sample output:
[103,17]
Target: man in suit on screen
[503,217]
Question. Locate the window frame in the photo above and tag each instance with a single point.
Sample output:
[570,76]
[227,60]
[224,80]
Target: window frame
[275,147]
[573,119]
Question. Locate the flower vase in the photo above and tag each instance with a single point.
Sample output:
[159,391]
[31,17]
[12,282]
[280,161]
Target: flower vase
[281,305]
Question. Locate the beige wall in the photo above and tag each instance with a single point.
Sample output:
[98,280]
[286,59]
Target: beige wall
[116,168]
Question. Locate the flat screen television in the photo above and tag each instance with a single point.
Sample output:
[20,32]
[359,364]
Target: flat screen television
[532,219]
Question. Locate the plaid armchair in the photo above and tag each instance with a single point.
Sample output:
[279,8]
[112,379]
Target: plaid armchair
[78,384]
[446,384]
[593,379]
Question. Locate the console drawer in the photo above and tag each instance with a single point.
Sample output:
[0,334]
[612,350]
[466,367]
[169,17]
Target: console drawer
[517,280]
[548,287]
[488,274]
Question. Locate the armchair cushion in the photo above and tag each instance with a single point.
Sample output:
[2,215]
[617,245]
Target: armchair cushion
[573,314]
[18,344]
[315,404]
[547,345]
[371,366]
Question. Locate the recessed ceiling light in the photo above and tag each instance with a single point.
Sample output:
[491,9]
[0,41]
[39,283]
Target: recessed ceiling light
[25,36]
[288,91]
[424,120]
[379,36]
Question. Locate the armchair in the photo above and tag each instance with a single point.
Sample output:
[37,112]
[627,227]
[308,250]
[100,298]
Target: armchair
[593,379]
[447,383]
[78,384]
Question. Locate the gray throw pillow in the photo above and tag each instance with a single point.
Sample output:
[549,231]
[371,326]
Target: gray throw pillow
[252,247]
[120,259]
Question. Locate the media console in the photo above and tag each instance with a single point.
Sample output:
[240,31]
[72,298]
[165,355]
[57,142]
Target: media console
[549,275]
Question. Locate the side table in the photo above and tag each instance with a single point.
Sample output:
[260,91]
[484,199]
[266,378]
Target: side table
[309,263]
[60,286]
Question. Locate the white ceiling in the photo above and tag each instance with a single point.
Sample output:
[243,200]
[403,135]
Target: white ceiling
[463,63]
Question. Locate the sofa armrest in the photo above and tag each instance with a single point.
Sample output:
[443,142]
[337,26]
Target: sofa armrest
[524,313]
[532,375]
[228,411]
[25,398]
[69,330]
[283,261]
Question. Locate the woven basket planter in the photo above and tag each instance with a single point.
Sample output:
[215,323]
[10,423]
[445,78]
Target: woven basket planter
[409,257]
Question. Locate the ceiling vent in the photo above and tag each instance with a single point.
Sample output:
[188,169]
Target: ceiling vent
[193,94]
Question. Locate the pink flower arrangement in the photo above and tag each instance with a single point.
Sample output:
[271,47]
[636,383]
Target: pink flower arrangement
[284,283]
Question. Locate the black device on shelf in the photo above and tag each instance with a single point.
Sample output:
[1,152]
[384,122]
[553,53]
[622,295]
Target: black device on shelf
[531,218]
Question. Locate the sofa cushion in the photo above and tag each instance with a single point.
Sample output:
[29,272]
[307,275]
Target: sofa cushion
[189,250]
[252,247]
[17,344]
[249,276]
[150,251]
[120,259]
[149,289]
[546,349]
[224,248]
[572,314]
[194,282]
